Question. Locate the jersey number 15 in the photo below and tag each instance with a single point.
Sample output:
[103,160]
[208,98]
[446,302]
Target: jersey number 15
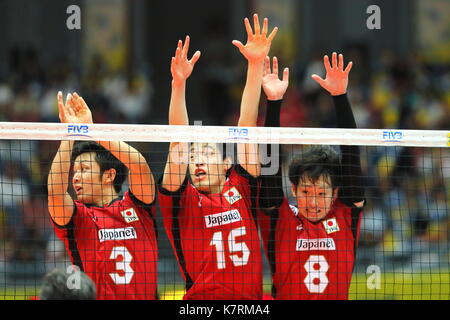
[234,247]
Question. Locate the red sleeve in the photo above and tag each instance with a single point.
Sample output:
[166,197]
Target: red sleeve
[131,199]
[61,230]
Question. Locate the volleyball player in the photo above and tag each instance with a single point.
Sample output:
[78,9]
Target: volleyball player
[311,246]
[208,203]
[111,239]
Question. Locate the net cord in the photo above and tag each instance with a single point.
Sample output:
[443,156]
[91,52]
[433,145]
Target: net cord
[223,134]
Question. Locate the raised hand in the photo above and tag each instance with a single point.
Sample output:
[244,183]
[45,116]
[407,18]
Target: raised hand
[66,112]
[75,110]
[82,111]
[258,44]
[181,68]
[336,80]
[274,88]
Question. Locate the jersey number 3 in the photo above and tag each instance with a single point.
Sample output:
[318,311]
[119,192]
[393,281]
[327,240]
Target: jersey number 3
[233,247]
[124,264]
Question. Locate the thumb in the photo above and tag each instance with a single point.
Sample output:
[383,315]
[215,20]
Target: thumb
[195,57]
[238,44]
[62,113]
[319,80]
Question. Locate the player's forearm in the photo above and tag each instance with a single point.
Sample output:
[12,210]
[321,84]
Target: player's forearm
[140,176]
[177,108]
[352,181]
[128,155]
[58,176]
[271,195]
[251,95]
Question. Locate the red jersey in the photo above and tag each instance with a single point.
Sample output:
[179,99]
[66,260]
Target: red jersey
[115,246]
[215,238]
[309,260]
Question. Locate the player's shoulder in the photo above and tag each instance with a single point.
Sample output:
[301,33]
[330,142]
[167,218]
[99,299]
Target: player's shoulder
[238,172]
[130,200]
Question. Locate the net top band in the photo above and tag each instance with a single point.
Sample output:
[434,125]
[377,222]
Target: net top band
[223,134]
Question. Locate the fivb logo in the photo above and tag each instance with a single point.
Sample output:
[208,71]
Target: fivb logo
[221,218]
[315,244]
[236,133]
[77,129]
[392,136]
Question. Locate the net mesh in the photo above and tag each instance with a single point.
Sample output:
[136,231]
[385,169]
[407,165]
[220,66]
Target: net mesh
[210,245]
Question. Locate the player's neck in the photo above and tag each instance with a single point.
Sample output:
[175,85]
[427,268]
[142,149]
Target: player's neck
[107,197]
[214,189]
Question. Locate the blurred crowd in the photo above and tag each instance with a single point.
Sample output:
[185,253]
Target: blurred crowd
[406,219]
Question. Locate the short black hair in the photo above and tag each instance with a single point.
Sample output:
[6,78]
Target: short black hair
[317,161]
[55,286]
[104,158]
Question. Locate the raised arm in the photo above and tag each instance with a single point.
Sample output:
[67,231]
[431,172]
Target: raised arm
[255,50]
[336,82]
[271,194]
[140,177]
[181,68]
[60,203]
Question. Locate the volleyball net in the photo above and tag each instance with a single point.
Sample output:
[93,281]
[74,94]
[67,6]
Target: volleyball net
[402,236]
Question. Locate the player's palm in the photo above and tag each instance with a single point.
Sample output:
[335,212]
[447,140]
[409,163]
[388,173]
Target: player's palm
[181,70]
[258,43]
[336,80]
[256,49]
[81,110]
[273,86]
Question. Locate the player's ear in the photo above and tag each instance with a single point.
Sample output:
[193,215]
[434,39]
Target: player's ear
[335,193]
[227,163]
[294,190]
[109,176]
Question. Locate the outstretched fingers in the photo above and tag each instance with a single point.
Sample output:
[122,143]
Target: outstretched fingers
[349,67]
[326,63]
[334,64]
[275,66]
[286,75]
[265,28]
[273,34]
[319,80]
[238,44]
[195,58]
[266,69]
[61,107]
[186,47]
[248,28]
[341,62]
[256,24]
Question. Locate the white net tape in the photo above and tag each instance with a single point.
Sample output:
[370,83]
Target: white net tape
[223,134]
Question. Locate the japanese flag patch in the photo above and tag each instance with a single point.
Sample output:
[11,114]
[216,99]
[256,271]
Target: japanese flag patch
[129,215]
[232,195]
[331,225]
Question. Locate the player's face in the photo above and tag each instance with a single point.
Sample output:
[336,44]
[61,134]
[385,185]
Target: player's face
[314,199]
[207,167]
[86,180]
